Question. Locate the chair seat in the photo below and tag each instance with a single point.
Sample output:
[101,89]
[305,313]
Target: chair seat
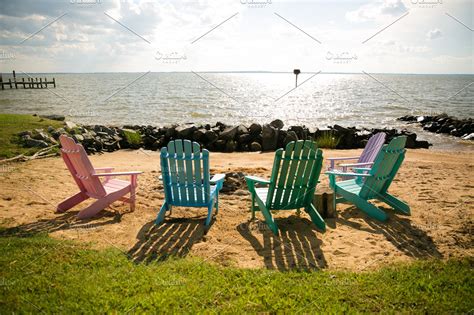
[114,185]
[350,186]
[262,193]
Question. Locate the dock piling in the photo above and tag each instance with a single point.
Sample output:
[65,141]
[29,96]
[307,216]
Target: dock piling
[29,83]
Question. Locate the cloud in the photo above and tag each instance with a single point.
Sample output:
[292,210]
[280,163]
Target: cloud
[377,10]
[433,34]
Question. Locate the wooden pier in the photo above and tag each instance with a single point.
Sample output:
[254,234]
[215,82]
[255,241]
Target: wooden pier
[29,83]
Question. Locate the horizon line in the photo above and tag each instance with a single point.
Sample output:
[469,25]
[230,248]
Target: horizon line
[244,71]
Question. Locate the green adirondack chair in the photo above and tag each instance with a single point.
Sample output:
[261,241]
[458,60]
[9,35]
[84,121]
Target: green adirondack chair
[292,184]
[373,183]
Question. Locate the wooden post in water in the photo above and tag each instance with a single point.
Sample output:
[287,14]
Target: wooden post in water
[296,72]
[10,83]
[54,82]
[41,82]
[23,81]
[1,81]
[14,79]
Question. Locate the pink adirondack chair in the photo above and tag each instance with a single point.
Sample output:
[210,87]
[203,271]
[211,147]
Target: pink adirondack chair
[87,179]
[366,159]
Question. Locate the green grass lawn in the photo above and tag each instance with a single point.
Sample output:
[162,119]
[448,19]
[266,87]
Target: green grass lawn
[39,274]
[12,124]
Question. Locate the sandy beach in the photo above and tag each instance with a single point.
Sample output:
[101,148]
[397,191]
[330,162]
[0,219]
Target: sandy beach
[436,184]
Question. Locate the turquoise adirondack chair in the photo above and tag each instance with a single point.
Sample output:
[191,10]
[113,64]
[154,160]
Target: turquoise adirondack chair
[373,183]
[185,175]
[292,184]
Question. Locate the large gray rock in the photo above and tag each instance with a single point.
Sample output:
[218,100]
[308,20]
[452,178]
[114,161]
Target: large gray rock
[255,129]
[241,129]
[269,138]
[255,146]
[33,143]
[230,146]
[468,137]
[70,125]
[186,131]
[199,135]
[78,138]
[290,136]
[277,124]
[229,133]
[210,137]
[244,138]
[54,117]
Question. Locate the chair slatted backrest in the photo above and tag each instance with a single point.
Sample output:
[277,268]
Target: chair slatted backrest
[385,167]
[295,174]
[185,173]
[81,168]
[372,148]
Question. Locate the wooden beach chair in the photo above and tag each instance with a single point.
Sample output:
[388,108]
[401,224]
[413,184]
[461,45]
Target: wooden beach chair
[367,157]
[376,182]
[292,184]
[185,175]
[90,186]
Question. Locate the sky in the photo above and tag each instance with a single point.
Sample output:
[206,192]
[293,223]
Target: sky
[381,36]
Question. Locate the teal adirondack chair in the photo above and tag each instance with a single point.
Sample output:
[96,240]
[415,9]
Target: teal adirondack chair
[373,183]
[292,184]
[185,175]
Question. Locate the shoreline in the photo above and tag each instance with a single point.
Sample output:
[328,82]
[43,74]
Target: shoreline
[218,138]
[24,135]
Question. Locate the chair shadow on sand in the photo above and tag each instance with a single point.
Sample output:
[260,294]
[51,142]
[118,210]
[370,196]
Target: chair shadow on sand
[173,238]
[398,230]
[297,246]
[63,221]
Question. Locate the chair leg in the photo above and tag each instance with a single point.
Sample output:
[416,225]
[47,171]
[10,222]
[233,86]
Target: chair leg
[71,202]
[94,208]
[209,213]
[368,208]
[132,198]
[395,203]
[252,209]
[217,203]
[268,217]
[315,217]
[161,215]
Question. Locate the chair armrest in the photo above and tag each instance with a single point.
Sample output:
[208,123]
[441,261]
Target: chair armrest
[355,164]
[118,173]
[342,158]
[104,169]
[256,179]
[332,173]
[362,169]
[217,178]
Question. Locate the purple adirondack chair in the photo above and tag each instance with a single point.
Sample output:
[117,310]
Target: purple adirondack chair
[87,179]
[366,159]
